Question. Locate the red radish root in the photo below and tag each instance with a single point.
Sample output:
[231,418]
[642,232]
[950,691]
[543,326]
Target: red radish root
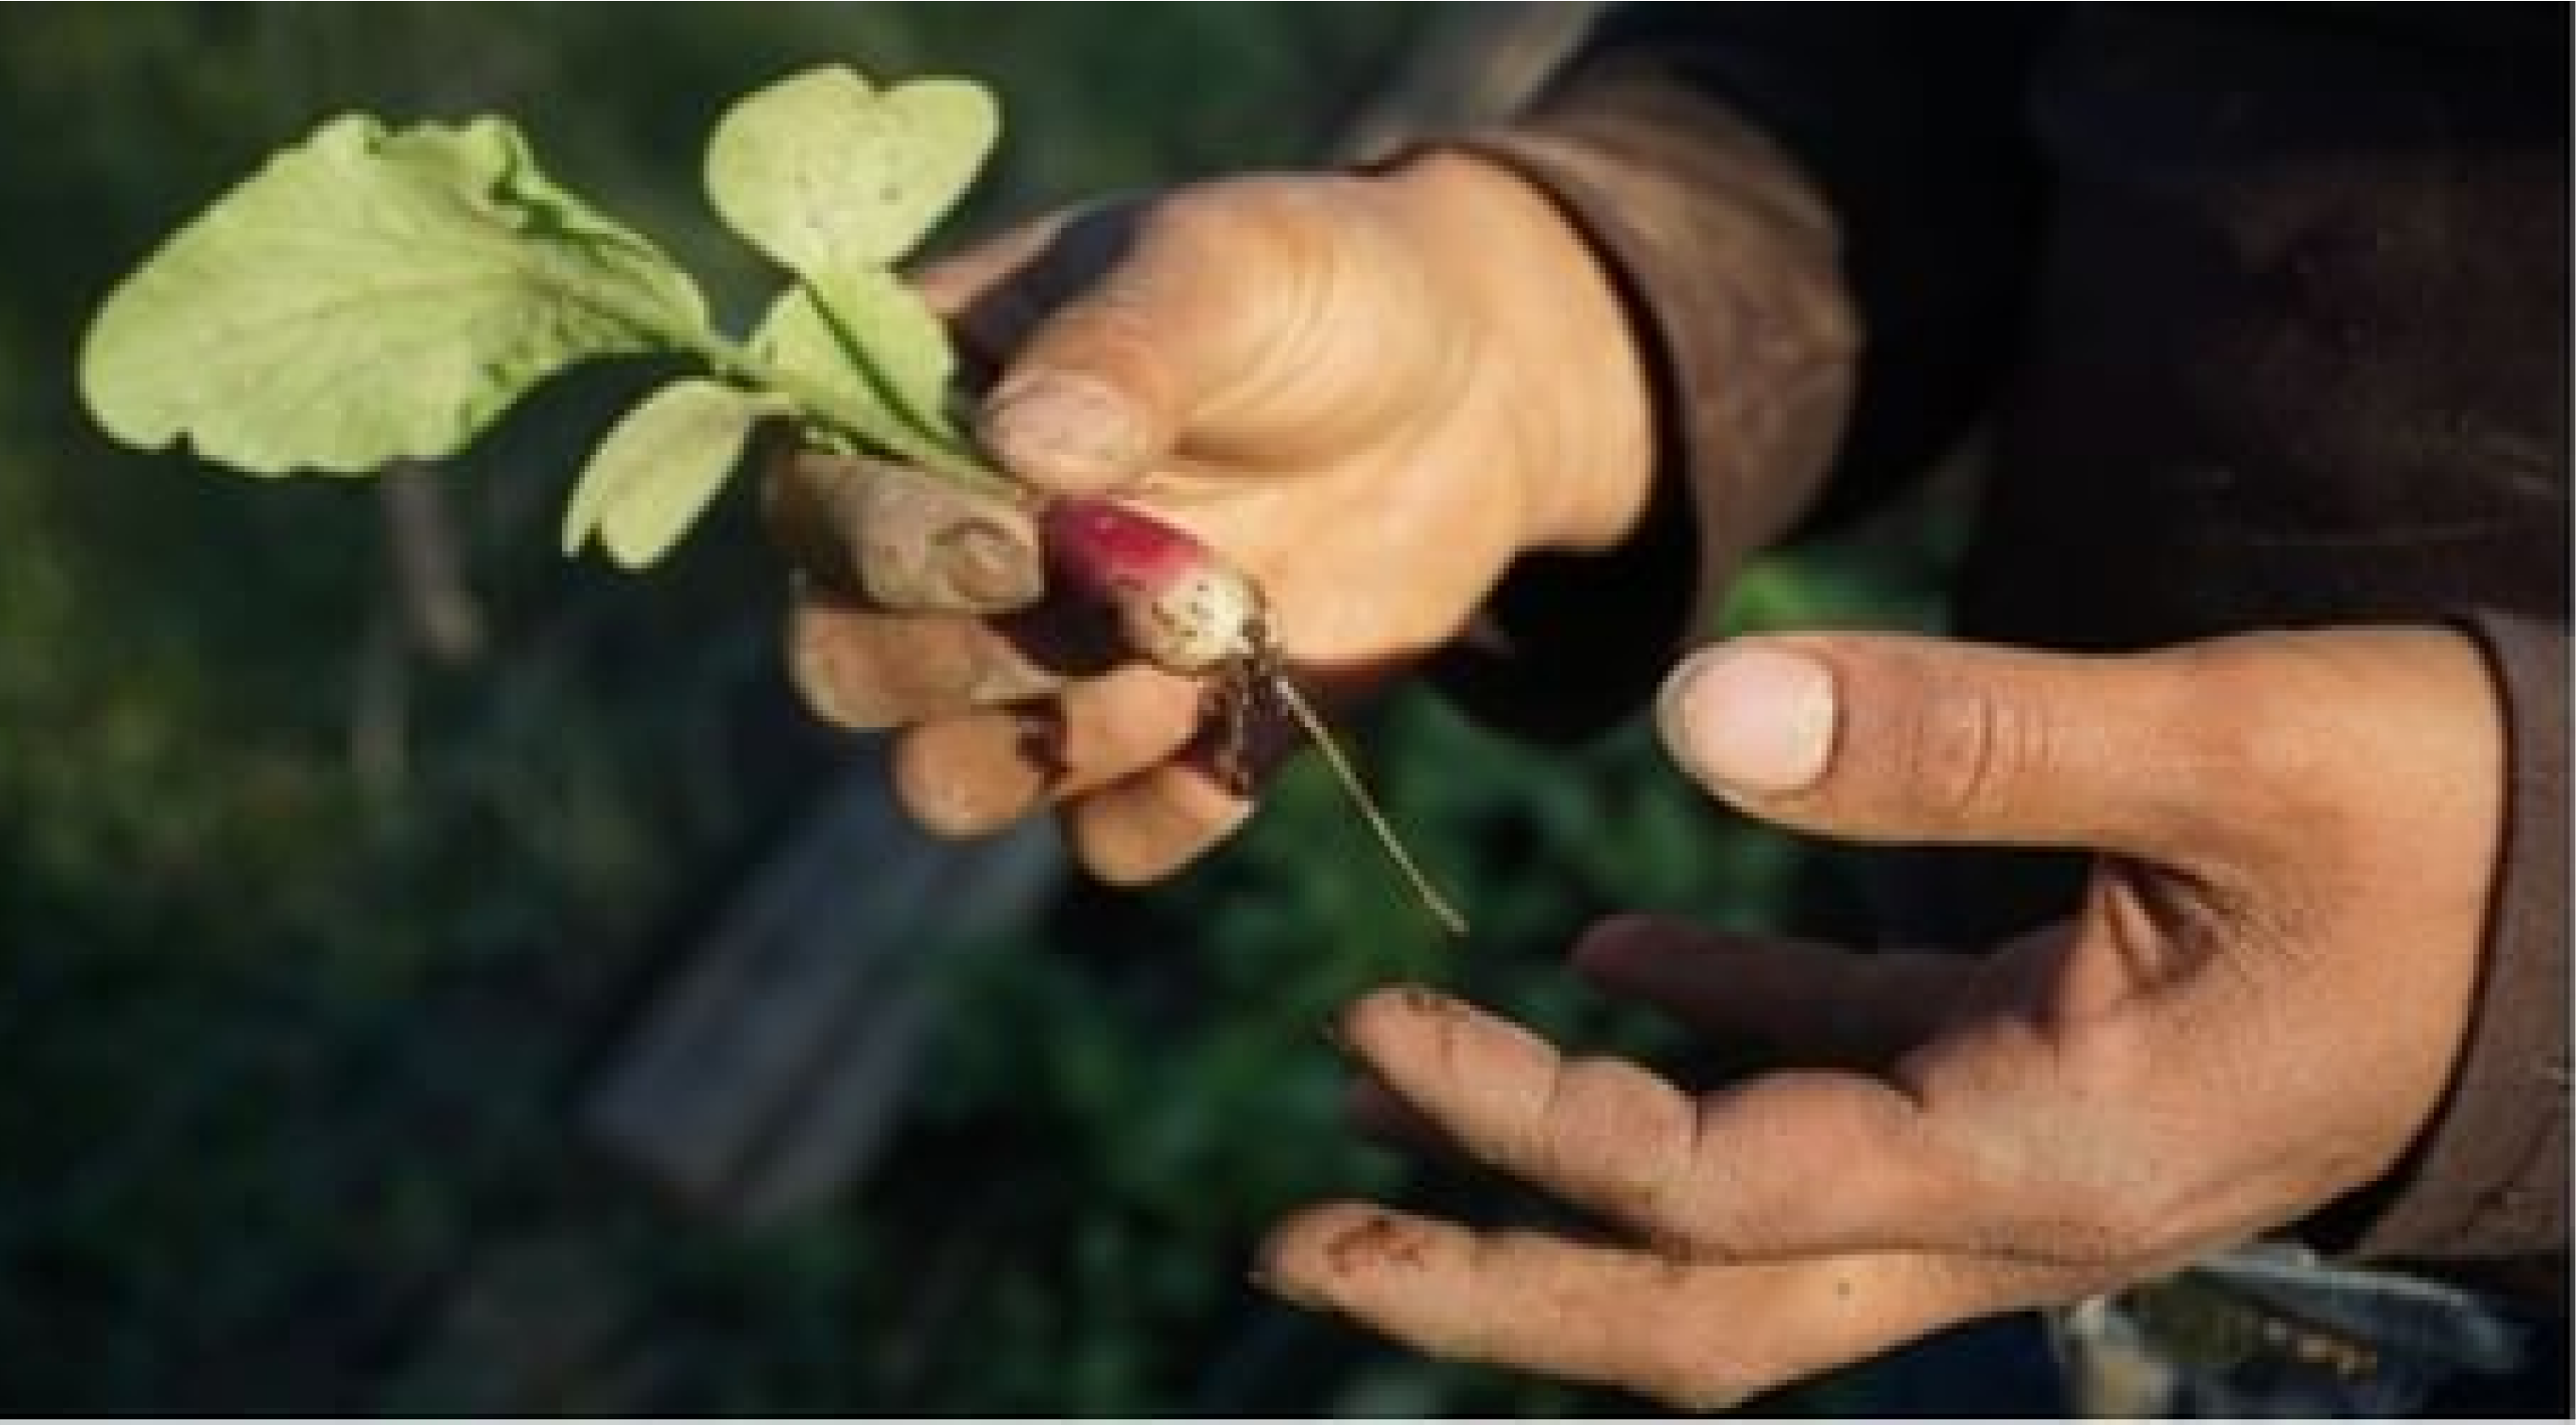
[1188,612]
[1178,604]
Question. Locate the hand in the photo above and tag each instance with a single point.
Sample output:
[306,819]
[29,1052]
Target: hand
[2254,1012]
[1370,393]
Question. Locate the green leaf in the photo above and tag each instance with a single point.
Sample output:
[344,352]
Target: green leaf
[825,174]
[371,296]
[656,472]
[872,354]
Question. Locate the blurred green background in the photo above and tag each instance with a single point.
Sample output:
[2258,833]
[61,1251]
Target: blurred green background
[321,896]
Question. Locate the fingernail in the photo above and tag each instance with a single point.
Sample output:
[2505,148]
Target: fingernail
[1751,717]
[1054,422]
[989,568]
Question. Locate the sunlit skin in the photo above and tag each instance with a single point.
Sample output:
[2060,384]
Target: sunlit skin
[1371,394]
[1303,374]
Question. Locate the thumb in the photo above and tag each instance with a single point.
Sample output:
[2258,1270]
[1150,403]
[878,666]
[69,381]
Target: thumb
[1100,388]
[1896,738]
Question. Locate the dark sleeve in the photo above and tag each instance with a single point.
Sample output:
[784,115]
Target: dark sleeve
[1822,220]
[2487,1182]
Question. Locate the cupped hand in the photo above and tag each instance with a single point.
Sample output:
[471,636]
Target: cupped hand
[1369,393]
[2254,1012]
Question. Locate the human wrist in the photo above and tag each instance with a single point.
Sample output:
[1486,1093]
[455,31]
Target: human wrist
[1558,369]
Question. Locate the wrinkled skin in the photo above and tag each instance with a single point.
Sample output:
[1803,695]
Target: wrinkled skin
[1372,395]
[1294,369]
[2254,1012]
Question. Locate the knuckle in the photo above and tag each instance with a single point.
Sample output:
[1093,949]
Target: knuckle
[1219,221]
[2251,765]
[1203,221]
[1193,246]
[2244,732]
[1965,752]
[1617,1132]
[1187,250]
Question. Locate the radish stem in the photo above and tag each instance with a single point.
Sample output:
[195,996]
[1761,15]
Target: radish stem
[1322,736]
[1185,610]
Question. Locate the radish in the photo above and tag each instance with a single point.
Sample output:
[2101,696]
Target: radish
[1189,613]
[1186,610]
[497,277]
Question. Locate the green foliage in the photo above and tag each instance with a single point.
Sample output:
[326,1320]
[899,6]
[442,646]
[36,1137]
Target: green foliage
[874,351]
[821,170]
[372,297]
[653,475]
[309,936]
[836,182]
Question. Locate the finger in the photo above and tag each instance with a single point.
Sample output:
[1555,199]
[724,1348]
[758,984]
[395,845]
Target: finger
[1918,739]
[1152,824]
[979,772]
[866,669]
[1145,318]
[903,539]
[1820,1004]
[1733,1173]
[1377,1114]
[1695,1336]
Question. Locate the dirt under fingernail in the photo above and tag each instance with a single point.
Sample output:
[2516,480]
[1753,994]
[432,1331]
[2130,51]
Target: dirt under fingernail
[1380,1241]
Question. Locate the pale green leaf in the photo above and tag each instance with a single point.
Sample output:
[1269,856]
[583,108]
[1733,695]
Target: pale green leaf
[824,173]
[871,353]
[658,469]
[551,208]
[370,296]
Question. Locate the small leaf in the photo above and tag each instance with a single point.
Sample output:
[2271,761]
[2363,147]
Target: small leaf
[371,296]
[657,470]
[865,341]
[825,174]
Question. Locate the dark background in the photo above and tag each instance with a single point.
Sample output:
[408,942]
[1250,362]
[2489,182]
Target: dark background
[345,829]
